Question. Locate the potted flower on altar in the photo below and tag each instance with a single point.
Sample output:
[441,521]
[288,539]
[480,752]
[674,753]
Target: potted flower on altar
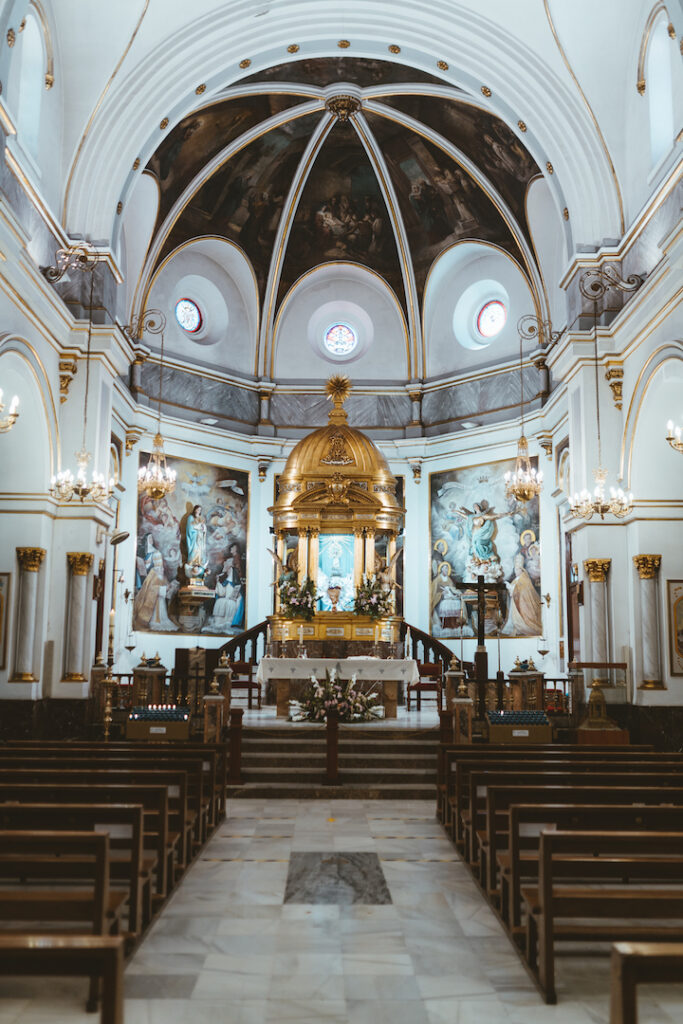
[372,599]
[297,602]
[350,703]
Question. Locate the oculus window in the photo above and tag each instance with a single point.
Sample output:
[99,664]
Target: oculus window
[340,339]
[188,315]
[491,318]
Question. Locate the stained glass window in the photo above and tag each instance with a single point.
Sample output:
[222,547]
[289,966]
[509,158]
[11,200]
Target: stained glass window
[491,318]
[340,339]
[188,315]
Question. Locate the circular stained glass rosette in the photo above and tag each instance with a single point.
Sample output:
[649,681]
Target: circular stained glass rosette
[188,315]
[491,319]
[340,339]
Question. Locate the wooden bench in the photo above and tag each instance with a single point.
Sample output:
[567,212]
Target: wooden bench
[154,799]
[123,823]
[569,913]
[99,957]
[449,753]
[578,775]
[641,963]
[59,881]
[628,810]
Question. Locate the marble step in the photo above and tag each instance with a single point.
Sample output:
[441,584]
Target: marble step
[350,760]
[316,791]
[367,776]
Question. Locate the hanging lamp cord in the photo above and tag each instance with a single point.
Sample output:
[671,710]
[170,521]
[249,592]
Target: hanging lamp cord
[161,371]
[521,381]
[87,357]
[597,398]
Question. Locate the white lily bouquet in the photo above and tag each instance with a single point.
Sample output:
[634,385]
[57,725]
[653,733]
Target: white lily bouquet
[351,704]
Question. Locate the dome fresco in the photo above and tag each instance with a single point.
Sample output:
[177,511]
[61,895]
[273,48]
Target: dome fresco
[390,178]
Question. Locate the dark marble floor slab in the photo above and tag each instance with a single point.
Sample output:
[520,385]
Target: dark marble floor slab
[337,878]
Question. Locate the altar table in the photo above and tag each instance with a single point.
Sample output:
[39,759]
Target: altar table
[290,676]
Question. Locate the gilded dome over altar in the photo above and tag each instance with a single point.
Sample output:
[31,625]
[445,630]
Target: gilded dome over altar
[337,466]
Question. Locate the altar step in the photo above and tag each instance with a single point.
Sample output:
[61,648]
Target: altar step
[289,763]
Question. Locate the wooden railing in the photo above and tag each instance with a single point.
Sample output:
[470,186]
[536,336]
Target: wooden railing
[247,646]
[426,648]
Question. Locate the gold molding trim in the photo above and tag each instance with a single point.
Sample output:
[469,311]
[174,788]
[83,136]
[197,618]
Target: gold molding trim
[200,89]
[647,565]
[522,126]
[11,37]
[68,369]
[133,435]
[614,375]
[246,63]
[164,123]
[659,8]
[293,48]
[442,65]
[343,44]
[31,559]
[393,48]
[551,23]
[96,108]
[485,91]
[80,562]
[47,39]
[597,569]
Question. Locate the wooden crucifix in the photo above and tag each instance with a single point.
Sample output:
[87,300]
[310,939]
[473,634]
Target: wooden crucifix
[481,661]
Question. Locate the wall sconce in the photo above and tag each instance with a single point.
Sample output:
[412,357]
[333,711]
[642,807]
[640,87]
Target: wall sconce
[8,422]
[416,466]
[263,464]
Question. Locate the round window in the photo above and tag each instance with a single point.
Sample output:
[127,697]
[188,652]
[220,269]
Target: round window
[188,315]
[491,318]
[340,339]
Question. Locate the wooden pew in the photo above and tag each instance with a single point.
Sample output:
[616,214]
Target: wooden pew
[612,906]
[462,764]
[213,760]
[216,753]
[99,957]
[123,823]
[179,835]
[641,963]
[154,799]
[449,752]
[38,887]
[628,810]
[576,775]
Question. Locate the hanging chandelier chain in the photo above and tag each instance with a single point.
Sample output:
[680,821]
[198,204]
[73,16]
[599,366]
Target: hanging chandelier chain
[521,380]
[91,269]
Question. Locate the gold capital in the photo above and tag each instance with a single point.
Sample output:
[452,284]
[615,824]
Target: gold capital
[647,565]
[80,562]
[31,559]
[597,569]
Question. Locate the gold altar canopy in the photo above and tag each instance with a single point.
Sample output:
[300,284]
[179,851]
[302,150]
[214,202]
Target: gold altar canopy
[337,484]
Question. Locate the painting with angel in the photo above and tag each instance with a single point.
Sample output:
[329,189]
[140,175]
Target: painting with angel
[477,531]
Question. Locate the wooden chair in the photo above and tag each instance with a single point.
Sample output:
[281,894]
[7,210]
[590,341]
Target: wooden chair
[636,963]
[429,682]
[243,679]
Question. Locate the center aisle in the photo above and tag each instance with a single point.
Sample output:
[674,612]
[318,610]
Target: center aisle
[237,945]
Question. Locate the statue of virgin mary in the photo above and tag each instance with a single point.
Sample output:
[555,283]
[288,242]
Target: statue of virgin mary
[195,537]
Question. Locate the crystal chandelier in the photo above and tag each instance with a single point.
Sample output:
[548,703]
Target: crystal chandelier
[673,435]
[65,486]
[156,478]
[8,422]
[593,285]
[524,482]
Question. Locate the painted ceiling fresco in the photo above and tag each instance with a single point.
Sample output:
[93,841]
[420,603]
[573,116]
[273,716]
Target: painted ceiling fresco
[440,203]
[201,135]
[243,201]
[324,71]
[342,215]
[485,139]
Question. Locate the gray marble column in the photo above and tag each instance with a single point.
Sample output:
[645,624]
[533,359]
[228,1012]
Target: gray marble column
[30,561]
[80,564]
[648,568]
[597,569]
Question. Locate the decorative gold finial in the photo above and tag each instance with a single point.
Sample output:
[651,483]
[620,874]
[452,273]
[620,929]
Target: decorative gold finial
[338,388]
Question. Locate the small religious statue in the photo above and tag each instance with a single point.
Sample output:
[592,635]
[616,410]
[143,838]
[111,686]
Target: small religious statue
[195,537]
[385,574]
[287,570]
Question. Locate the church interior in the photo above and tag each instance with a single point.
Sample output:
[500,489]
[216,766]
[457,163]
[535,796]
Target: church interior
[341,512]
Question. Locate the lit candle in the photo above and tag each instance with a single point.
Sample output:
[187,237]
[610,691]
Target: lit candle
[112,621]
[376,634]
[461,668]
[301,635]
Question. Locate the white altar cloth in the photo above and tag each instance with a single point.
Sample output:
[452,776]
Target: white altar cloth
[371,669]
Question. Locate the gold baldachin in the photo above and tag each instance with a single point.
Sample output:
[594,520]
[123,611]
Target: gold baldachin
[597,569]
[647,565]
[31,559]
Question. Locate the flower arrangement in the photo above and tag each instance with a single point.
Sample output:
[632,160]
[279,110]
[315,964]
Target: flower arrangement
[297,602]
[351,705]
[372,599]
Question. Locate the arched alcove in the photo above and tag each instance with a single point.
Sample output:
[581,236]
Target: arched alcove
[35,429]
[31,84]
[654,468]
[549,244]
[659,93]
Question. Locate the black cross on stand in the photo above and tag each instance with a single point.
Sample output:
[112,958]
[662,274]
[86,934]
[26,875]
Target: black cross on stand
[481,660]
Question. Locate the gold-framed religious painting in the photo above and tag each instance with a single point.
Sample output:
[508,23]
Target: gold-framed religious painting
[674,601]
[191,556]
[5,581]
[475,530]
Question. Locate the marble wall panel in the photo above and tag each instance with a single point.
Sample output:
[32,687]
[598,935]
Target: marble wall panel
[189,391]
[364,411]
[471,398]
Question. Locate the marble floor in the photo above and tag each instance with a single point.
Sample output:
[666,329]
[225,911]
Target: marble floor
[235,945]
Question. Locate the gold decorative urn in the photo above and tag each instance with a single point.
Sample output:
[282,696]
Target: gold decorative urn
[336,519]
